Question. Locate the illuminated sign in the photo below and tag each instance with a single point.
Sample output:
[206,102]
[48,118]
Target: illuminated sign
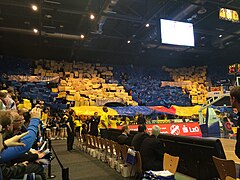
[228,14]
[234,69]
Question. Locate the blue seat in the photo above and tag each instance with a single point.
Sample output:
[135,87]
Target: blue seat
[63,106]
[32,96]
[52,94]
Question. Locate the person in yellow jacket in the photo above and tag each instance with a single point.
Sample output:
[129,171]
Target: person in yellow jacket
[125,121]
[44,117]
[77,127]
[113,122]
[104,121]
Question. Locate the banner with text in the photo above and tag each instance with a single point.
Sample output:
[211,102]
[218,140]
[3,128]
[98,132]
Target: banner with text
[54,79]
[182,129]
[177,84]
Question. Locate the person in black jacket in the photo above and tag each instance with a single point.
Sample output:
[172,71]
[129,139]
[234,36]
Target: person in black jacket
[124,137]
[93,124]
[70,130]
[152,151]
[139,137]
[235,102]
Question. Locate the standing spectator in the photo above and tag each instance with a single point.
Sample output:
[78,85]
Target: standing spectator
[141,119]
[93,124]
[235,102]
[152,151]
[63,126]
[87,121]
[77,127]
[44,118]
[104,121]
[70,130]
[84,132]
[227,126]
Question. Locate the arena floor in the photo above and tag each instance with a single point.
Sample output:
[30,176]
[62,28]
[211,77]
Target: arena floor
[80,164]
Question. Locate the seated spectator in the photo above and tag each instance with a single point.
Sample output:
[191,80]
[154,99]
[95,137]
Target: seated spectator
[22,165]
[10,103]
[3,95]
[139,137]
[152,151]
[124,137]
[28,140]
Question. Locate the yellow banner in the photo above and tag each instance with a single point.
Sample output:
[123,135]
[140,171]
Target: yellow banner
[89,110]
[188,111]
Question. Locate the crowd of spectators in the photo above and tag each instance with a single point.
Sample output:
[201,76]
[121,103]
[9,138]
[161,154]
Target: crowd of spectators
[19,152]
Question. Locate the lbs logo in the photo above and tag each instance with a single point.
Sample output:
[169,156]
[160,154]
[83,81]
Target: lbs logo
[175,129]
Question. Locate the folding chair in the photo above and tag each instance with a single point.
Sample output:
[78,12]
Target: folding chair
[170,163]
[225,167]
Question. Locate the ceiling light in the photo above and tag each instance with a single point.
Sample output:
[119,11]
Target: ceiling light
[128,41]
[48,16]
[35,30]
[92,17]
[220,35]
[34,7]
[147,25]
[52,2]
[82,36]
[26,22]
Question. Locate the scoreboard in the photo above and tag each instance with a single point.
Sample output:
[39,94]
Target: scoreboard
[234,69]
[228,15]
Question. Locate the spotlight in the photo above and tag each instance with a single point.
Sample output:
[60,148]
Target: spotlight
[128,41]
[35,30]
[147,25]
[220,35]
[82,36]
[34,7]
[92,17]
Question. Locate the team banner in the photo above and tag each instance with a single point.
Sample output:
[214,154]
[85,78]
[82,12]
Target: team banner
[54,79]
[177,84]
[145,110]
[182,129]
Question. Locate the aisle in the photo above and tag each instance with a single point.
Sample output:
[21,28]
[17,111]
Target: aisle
[81,165]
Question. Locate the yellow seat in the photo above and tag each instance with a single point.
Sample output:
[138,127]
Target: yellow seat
[170,163]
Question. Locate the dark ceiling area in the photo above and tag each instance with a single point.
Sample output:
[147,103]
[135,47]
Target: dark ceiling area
[118,32]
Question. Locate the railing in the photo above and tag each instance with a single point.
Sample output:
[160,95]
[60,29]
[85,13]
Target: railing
[209,103]
[65,170]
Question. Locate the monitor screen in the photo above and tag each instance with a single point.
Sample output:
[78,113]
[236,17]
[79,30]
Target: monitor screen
[177,33]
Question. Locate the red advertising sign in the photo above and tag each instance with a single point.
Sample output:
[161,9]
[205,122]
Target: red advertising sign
[183,129]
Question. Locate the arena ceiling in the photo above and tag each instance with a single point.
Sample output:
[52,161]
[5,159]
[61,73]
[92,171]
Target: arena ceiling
[60,24]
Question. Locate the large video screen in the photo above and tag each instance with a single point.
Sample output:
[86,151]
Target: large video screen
[177,33]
